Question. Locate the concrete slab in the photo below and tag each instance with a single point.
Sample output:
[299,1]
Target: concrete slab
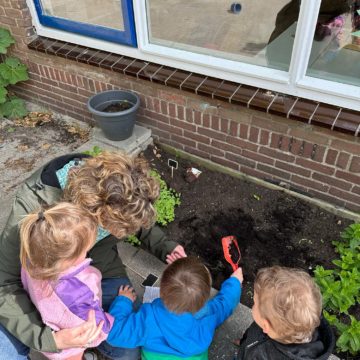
[139,141]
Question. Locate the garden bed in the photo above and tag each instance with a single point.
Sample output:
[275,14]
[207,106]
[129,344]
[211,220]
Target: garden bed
[271,226]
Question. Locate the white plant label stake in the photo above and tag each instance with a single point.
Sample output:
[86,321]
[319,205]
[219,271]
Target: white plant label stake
[173,164]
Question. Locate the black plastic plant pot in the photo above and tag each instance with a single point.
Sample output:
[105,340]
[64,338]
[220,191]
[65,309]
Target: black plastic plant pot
[115,112]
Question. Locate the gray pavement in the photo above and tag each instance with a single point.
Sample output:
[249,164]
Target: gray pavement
[138,262]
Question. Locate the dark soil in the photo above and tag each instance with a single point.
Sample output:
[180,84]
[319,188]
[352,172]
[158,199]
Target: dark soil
[271,227]
[118,106]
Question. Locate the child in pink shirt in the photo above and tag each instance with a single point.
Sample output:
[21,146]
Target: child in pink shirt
[56,274]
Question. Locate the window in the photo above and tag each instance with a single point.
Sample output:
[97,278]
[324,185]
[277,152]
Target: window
[110,20]
[305,48]
[335,53]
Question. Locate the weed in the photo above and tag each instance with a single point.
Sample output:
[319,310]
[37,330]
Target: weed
[12,71]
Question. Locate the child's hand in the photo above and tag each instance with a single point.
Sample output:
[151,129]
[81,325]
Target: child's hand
[238,274]
[128,292]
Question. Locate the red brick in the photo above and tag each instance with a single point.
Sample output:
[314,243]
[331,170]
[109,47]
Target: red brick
[168,128]
[253,172]
[356,190]
[257,157]
[226,147]
[331,156]
[172,97]
[197,137]
[344,195]
[180,112]
[212,134]
[309,183]
[273,171]
[265,123]
[161,134]
[172,110]
[173,143]
[240,160]
[244,130]
[275,140]
[352,148]
[84,92]
[5,20]
[348,177]
[243,144]
[224,125]
[163,106]
[254,134]
[215,122]
[234,128]
[277,154]
[319,153]
[183,125]
[206,120]
[292,169]
[264,137]
[156,116]
[225,162]
[308,164]
[284,143]
[355,164]
[196,152]
[182,140]
[210,149]
[307,149]
[326,197]
[295,146]
[332,181]
[153,123]
[353,207]
[189,115]
[343,160]
[197,117]
[156,105]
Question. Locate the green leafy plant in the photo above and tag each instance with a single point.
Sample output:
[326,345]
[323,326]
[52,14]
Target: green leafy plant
[167,201]
[95,151]
[133,240]
[12,71]
[340,288]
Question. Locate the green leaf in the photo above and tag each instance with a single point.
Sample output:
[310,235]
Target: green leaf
[13,108]
[13,71]
[5,40]
[3,93]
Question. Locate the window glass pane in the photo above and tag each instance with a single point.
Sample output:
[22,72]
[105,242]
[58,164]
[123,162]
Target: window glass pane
[256,32]
[335,52]
[107,13]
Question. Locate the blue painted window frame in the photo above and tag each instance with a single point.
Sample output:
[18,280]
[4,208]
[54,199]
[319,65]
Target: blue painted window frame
[126,37]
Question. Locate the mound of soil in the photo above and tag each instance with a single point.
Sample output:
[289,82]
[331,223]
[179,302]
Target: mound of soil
[271,227]
[118,106]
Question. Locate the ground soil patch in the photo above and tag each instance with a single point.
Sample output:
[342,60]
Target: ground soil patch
[271,227]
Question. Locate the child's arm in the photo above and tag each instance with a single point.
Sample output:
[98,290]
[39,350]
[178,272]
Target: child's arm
[129,327]
[226,300]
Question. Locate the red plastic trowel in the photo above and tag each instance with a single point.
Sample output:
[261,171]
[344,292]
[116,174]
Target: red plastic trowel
[231,251]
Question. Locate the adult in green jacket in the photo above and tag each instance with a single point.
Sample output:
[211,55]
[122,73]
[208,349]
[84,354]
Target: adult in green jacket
[119,193]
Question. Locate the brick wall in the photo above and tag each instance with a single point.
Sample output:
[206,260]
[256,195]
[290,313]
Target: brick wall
[322,163]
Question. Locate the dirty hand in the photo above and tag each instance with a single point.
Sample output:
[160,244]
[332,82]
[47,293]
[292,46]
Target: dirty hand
[238,274]
[128,292]
[80,336]
[177,253]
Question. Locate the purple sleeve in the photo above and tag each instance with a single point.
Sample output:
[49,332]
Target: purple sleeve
[79,299]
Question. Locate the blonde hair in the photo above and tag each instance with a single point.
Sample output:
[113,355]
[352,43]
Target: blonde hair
[185,285]
[50,237]
[116,190]
[290,301]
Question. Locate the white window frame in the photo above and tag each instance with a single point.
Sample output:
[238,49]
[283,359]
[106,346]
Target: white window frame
[295,82]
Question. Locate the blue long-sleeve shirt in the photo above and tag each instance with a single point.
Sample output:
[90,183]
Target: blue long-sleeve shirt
[160,331]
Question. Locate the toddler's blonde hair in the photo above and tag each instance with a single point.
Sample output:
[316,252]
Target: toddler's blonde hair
[290,301]
[50,237]
[117,190]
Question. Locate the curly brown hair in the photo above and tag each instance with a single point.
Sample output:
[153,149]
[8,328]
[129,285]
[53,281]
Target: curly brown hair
[117,190]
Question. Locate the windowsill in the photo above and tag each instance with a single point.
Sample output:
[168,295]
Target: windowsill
[308,111]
